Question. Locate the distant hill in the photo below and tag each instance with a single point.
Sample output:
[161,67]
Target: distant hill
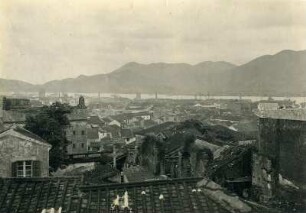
[148,78]
[281,74]
[15,86]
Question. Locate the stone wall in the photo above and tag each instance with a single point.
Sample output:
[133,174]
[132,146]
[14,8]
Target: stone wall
[16,149]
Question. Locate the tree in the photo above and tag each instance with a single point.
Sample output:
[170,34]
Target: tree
[50,124]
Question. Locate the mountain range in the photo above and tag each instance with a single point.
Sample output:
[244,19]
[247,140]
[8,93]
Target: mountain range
[281,74]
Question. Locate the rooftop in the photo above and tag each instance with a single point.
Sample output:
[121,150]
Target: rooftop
[26,133]
[95,120]
[31,195]
[157,129]
[127,133]
[284,114]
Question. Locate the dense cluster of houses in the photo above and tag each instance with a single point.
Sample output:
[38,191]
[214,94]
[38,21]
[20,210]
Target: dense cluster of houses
[178,155]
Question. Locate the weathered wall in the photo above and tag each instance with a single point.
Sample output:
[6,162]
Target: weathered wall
[292,142]
[16,149]
[262,176]
[282,143]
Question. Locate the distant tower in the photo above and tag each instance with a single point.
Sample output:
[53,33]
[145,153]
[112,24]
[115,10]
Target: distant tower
[81,104]
[156,96]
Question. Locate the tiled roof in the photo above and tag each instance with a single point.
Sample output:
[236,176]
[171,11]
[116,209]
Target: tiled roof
[29,134]
[95,120]
[165,196]
[14,116]
[99,174]
[26,133]
[32,195]
[157,129]
[120,117]
[113,129]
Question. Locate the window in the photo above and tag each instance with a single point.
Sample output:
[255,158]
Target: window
[83,132]
[73,146]
[26,169]
[82,145]
[73,132]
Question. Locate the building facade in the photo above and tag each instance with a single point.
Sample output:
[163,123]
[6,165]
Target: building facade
[23,154]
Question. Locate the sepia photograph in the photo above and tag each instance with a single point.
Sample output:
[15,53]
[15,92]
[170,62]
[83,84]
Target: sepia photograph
[152,106]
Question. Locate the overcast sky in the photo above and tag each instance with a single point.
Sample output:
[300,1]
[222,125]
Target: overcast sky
[43,40]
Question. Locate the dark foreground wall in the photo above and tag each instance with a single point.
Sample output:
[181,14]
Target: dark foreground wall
[284,142]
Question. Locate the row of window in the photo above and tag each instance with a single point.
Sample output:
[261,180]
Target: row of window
[74,132]
[74,145]
[82,132]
